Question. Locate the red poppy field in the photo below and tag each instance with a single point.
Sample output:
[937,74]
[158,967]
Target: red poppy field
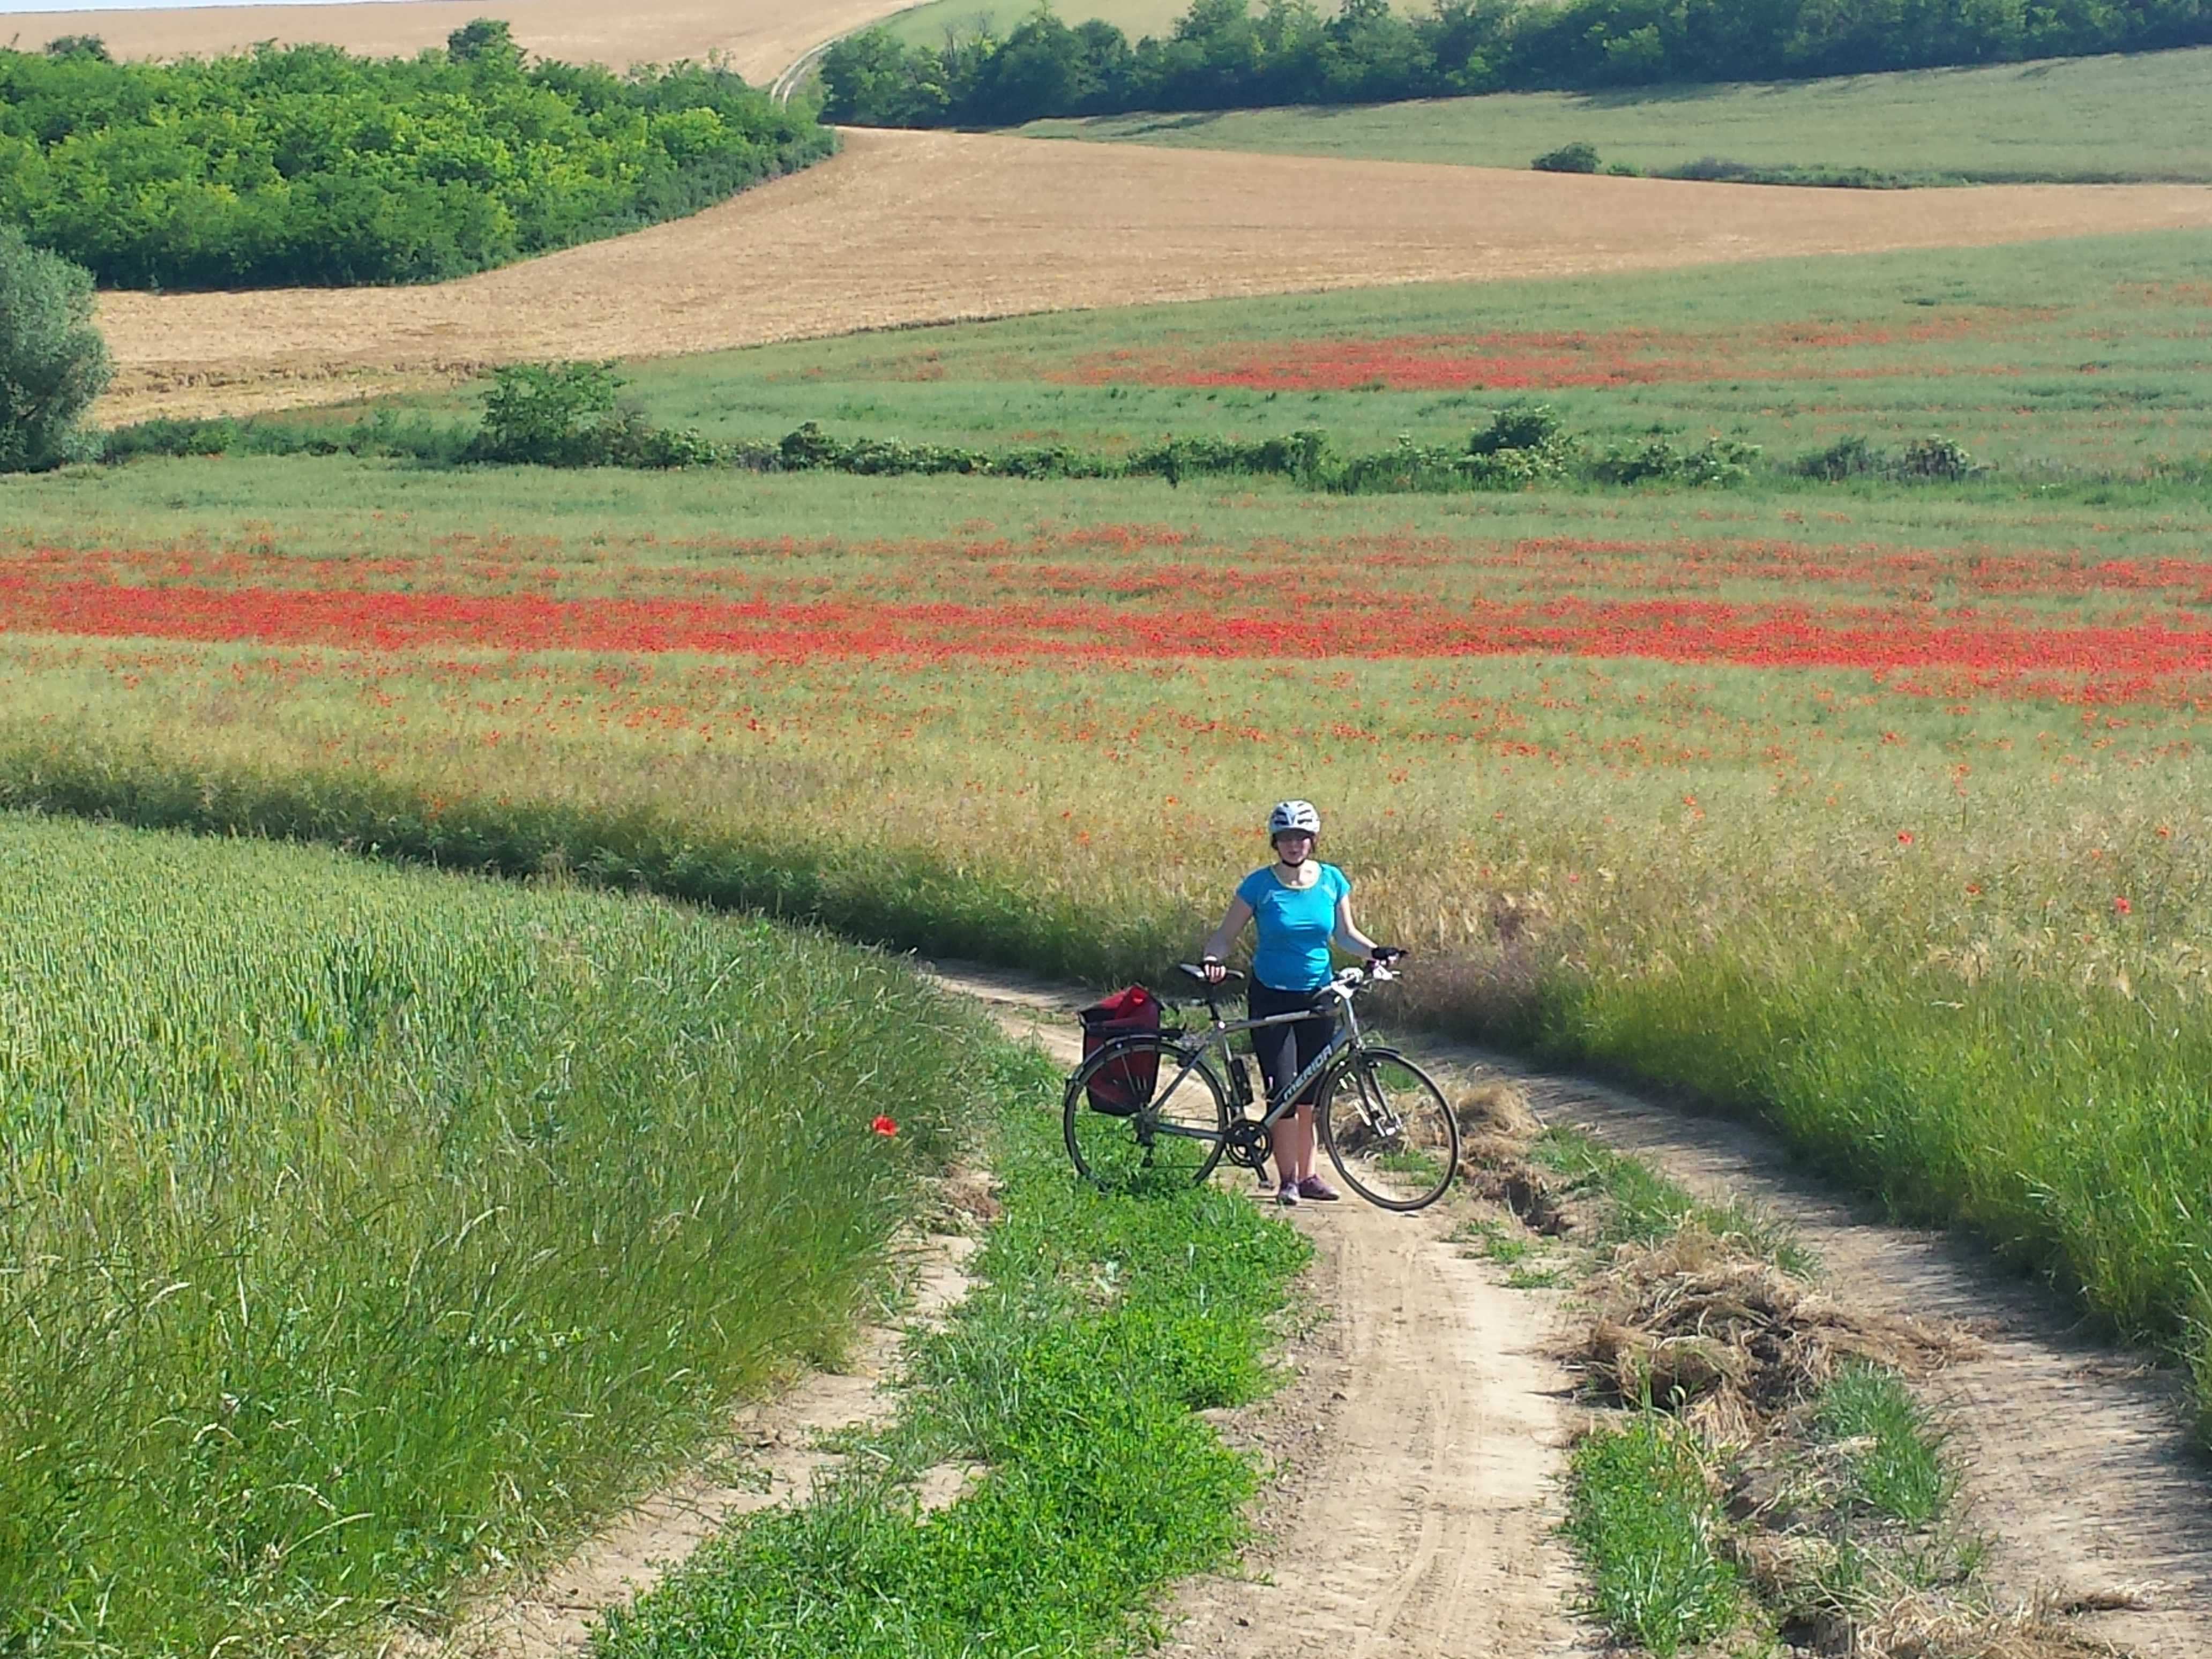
[1939,623]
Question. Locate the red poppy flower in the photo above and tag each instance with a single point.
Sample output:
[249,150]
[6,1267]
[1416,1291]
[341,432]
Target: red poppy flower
[1905,838]
[2121,905]
[885,1127]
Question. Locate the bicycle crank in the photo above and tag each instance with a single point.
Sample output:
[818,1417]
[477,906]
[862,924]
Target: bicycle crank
[1249,1145]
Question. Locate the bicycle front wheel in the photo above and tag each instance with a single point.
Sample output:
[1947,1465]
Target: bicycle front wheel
[1388,1130]
[1141,1112]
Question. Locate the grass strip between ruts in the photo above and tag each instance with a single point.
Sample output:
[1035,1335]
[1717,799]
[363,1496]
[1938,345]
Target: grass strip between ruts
[1646,1525]
[1071,1375]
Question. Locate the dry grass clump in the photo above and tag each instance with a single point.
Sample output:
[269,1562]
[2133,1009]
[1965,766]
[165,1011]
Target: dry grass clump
[1496,1125]
[1929,1625]
[1496,1128]
[1696,1323]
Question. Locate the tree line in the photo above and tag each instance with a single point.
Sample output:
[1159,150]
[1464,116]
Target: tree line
[310,165]
[1223,55]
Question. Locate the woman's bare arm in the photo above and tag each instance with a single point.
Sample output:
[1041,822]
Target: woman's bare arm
[1349,936]
[1233,924]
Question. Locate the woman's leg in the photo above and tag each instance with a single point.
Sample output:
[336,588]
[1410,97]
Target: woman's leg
[1313,1036]
[1276,1047]
[1296,1129]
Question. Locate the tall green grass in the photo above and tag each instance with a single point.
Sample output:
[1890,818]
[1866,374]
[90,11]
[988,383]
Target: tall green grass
[2012,1063]
[1649,1529]
[1072,1377]
[361,1227]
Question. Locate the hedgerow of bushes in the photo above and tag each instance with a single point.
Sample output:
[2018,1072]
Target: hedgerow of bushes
[308,165]
[1220,56]
[569,415]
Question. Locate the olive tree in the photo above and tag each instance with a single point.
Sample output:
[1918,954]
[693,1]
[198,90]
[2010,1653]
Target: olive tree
[52,362]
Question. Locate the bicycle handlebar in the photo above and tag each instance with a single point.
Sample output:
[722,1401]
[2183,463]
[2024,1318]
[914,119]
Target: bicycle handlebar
[1346,983]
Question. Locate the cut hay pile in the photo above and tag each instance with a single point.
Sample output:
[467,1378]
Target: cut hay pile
[1705,1326]
[1497,1127]
[1694,1325]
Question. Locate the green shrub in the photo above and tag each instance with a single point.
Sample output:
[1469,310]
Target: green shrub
[52,362]
[165,435]
[382,434]
[1567,158]
[79,45]
[565,414]
[1935,457]
[1931,459]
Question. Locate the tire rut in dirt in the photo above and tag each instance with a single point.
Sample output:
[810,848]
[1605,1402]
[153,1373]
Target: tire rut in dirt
[2079,1465]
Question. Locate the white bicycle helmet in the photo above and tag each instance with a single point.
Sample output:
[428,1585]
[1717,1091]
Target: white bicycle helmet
[1293,815]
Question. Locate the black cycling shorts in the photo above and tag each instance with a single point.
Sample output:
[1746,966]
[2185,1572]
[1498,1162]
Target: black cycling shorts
[1277,1045]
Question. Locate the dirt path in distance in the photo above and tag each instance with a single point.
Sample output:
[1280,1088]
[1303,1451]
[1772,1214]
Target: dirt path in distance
[1417,1451]
[911,228]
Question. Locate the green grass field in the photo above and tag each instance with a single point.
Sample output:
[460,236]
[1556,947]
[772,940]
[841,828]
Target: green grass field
[362,1230]
[2101,120]
[1871,807]
[2057,362]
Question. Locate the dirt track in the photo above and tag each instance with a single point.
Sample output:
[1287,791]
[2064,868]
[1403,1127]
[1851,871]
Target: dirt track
[1417,1451]
[758,36]
[2077,1462]
[2079,1466]
[908,228]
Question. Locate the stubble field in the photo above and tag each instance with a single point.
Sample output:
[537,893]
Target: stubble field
[904,229]
[758,37]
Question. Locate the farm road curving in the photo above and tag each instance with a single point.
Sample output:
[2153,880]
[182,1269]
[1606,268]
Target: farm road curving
[759,37]
[1417,1450]
[2078,1466]
[907,227]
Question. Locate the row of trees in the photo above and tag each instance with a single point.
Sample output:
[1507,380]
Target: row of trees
[1222,55]
[309,165]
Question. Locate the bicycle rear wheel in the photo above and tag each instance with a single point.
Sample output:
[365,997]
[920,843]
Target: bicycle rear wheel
[1388,1130]
[1174,1138]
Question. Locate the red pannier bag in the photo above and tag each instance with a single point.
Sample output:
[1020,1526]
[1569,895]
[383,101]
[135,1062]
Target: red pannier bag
[1121,1087]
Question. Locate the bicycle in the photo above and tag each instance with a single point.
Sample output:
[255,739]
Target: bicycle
[1385,1124]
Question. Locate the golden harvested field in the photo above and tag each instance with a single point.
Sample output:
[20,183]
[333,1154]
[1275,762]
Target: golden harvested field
[759,36]
[906,228]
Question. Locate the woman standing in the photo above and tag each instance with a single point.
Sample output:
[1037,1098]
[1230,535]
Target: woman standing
[1301,906]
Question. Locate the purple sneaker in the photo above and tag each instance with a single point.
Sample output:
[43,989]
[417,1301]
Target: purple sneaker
[1287,1193]
[1320,1191]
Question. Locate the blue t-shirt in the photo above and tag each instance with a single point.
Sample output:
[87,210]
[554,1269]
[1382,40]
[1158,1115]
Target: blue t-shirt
[1295,927]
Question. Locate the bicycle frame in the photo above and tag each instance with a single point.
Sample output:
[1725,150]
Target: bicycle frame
[1218,1032]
